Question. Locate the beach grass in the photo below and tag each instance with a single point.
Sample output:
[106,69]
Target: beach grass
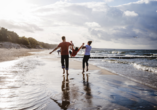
[11,54]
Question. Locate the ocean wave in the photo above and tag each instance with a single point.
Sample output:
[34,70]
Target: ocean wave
[118,52]
[154,54]
[115,61]
[140,64]
[145,68]
[125,52]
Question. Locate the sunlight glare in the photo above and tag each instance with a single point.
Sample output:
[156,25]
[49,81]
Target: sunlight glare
[14,9]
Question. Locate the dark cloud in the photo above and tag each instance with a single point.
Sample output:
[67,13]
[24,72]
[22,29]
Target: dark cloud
[144,25]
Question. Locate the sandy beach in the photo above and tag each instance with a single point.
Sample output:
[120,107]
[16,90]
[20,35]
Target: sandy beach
[37,82]
[11,54]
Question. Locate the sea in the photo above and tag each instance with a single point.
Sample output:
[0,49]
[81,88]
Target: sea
[140,66]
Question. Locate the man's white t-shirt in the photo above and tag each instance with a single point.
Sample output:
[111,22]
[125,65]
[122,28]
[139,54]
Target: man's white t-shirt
[88,49]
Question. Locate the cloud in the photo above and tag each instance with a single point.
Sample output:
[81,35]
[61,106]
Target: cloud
[108,0]
[22,26]
[92,24]
[130,13]
[116,24]
[95,21]
[145,1]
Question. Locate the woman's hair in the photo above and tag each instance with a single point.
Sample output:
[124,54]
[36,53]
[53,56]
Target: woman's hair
[89,42]
[76,48]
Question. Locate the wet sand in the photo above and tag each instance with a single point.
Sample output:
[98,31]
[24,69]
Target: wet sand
[37,82]
[74,64]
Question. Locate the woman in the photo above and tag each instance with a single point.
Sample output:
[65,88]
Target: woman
[86,55]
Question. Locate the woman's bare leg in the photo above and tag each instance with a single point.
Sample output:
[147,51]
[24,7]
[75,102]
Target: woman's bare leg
[86,68]
[83,70]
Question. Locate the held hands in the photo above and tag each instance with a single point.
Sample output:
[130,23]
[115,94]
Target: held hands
[82,46]
[72,43]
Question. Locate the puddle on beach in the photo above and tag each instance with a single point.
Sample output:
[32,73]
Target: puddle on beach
[38,83]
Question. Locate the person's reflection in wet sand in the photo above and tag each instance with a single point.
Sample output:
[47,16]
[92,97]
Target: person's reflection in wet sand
[65,94]
[87,89]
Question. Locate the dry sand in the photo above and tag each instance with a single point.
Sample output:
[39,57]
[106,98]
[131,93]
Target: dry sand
[11,54]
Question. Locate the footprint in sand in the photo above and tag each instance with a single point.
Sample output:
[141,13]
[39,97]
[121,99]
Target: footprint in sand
[71,78]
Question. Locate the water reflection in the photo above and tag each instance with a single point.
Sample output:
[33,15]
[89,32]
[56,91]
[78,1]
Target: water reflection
[65,94]
[87,88]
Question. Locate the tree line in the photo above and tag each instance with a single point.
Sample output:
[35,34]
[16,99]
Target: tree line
[10,36]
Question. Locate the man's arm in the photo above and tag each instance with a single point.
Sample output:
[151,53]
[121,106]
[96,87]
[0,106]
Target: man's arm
[72,45]
[54,49]
[81,46]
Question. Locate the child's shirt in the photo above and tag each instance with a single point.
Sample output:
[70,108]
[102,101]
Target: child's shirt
[74,53]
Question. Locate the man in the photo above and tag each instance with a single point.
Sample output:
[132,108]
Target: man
[64,54]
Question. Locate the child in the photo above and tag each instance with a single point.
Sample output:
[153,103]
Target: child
[58,51]
[74,52]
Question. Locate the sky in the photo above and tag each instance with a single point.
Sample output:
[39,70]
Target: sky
[118,24]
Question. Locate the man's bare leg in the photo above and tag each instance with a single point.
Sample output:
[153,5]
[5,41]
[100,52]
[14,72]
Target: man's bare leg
[67,72]
[63,70]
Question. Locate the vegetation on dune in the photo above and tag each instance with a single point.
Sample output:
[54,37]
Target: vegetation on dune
[10,36]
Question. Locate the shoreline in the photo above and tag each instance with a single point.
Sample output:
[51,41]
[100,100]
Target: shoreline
[78,65]
[73,63]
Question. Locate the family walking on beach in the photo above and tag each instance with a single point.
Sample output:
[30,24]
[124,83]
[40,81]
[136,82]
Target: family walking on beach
[64,48]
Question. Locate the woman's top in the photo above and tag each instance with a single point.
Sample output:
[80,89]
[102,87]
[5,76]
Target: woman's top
[88,49]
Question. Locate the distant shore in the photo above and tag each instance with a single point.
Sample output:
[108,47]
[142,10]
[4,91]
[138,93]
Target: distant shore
[11,54]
